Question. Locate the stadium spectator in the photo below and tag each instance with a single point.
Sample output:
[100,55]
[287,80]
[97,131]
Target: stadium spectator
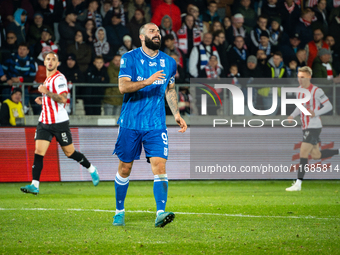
[237,53]
[134,5]
[248,13]
[101,46]
[20,67]
[334,29]
[194,11]
[314,46]
[212,70]
[301,57]
[321,15]
[76,7]
[221,46]
[211,15]
[12,112]
[323,68]
[226,23]
[18,25]
[113,99]
[180,73]
[67,29]
[289,50]
[264,44]
[115,32]
[270,9]
[200,55]
[82,50]
[44,44]
[236,29]
[91,13]
[262,60]
[9,46]
[277,70]
[90,28]
[8,8]
[104,10]
[304,26]
[189,36]
[117,10]
[134,25]
[170,9]
[252,70]
[50,15]
[35,30]
[261,26]
[335,55]
[166,28]
[3,77]
[276,33]
[96,74]
[171,48]
[292,68]
[289,13]
[127,45]
[216,26]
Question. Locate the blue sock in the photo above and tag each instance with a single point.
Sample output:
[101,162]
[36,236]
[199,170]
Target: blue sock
[160,191]
[121,187]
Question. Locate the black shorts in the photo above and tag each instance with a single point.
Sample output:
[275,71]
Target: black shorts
[311,136]
[61,131]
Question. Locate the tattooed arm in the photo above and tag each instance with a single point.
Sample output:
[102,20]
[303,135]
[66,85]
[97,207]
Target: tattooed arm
[62,98]
[171,97]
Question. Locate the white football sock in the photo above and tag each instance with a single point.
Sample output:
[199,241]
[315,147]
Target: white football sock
[91,169]
[35,183]
[118,211]
[298,182]
[159,211]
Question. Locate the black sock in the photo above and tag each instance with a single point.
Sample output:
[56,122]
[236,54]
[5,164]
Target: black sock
[302,171]
[328,153]
[80,158]
[37,166]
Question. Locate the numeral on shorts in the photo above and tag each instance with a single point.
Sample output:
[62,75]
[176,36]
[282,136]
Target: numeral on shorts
[165,138]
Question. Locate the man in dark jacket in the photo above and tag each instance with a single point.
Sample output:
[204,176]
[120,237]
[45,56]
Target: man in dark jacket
[96,73]
[115,32]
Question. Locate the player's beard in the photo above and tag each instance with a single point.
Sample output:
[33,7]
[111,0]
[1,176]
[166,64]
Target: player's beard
[151,45]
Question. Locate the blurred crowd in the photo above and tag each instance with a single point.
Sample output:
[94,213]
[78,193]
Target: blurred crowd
[208,39]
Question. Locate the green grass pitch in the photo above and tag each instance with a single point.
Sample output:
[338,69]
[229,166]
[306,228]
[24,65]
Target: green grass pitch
[212,217]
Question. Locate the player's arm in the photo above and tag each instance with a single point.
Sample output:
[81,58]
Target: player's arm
[295,113]
[326,105]
[171,97]
[60,98]
[127,86]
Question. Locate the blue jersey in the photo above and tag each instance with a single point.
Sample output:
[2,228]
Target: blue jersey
[144,109]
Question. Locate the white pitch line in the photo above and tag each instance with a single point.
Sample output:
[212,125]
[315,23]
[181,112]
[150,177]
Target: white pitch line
[184,213]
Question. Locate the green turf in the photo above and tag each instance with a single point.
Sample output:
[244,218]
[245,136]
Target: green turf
[306,222]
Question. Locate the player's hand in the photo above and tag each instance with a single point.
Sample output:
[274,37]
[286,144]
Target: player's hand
[312,112]
[290,119]
[42,89]
[38,100]
[157,76]
[181,122]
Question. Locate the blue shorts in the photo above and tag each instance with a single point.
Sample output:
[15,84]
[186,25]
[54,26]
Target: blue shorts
[129,144]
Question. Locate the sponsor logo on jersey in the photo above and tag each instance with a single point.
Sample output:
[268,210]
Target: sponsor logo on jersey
[61,85]
[142,61]
[152,64]
[123,63]
[162,62]
[64,137]
[158,82]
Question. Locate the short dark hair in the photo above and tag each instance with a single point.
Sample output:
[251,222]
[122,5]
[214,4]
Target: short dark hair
[169,37]
[262,16]
[278,53]
[212,2]
[23,44]
[99,57]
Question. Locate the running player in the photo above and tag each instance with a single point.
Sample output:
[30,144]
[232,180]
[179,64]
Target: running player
[146,76]
[311,124]
[54,121]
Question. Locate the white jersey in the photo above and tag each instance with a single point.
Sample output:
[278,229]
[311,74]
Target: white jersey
[52,111]
[318,98]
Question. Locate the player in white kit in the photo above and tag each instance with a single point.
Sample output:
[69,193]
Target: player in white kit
[311,124]
[54,121]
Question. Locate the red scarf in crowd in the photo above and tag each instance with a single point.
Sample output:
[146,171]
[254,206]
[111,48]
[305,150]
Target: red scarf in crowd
[51,5]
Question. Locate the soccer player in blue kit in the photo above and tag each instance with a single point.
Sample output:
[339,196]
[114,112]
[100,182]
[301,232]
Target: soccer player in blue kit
[146,76]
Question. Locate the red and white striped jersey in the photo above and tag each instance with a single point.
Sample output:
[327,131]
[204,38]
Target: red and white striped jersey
[318,98]
[52,111]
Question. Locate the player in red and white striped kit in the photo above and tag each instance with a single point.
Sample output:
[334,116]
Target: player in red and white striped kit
[54,121]
[311,124]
